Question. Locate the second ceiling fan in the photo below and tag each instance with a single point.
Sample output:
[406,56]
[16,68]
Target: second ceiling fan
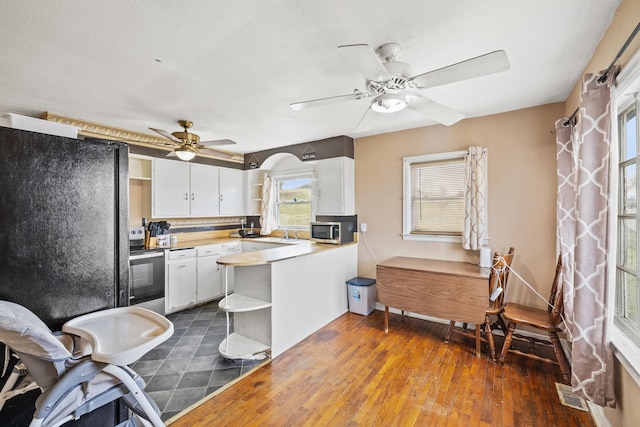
[393,85]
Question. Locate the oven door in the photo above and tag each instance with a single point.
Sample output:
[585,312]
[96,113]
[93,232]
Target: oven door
[146,280]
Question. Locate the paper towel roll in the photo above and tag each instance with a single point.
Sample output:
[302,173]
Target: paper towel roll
[485,257]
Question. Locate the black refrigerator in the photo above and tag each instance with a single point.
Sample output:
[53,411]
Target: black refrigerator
[64,248]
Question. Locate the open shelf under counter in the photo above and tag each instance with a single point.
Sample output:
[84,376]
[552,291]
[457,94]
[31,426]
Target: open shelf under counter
[236,303]
[237,346]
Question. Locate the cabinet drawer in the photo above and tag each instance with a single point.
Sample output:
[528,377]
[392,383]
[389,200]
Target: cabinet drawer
[182,253]
[209,250]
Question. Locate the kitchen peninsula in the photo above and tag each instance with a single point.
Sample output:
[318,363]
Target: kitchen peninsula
[282,295]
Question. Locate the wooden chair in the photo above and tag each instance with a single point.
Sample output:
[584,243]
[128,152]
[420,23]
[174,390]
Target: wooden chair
[546,320]
[498,279]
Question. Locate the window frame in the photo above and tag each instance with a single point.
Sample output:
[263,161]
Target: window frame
[276,198]
[407,162]
[620,302]
[627,83]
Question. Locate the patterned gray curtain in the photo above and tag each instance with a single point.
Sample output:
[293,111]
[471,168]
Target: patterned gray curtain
[583,234]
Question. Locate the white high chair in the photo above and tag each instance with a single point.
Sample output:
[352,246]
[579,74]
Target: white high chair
[84,368]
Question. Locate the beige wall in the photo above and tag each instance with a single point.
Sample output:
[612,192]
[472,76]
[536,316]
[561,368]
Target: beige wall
[522,192]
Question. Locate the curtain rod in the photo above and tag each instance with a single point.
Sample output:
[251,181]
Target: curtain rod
[571,117]
[624,47]
[604,76]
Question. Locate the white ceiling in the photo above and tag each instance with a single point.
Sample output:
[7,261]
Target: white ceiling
[233,67]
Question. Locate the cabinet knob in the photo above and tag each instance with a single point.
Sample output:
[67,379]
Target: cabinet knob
[186,196]
[221,197]
[193,196]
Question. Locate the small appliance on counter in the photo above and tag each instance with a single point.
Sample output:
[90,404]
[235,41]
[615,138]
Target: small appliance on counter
[251,232]
[333,232]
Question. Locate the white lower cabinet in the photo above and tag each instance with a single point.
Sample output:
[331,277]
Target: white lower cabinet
[193,275]
[209,277]
[181,279]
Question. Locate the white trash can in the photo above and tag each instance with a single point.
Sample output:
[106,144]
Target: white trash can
[362,295]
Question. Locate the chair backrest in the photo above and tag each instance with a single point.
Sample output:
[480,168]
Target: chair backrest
[39,349]
[556,298]
[499,275]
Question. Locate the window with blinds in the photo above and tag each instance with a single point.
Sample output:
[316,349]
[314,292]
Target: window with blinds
[437,197]
[433,206]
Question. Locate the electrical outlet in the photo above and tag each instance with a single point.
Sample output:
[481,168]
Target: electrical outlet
[363,227]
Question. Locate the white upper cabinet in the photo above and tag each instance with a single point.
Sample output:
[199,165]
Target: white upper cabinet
[171,190]
[204,190]
[231,192]
[335,186]
[183,189]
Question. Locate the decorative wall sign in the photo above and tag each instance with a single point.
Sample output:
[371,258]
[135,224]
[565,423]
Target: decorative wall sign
[254,163]
[308,153]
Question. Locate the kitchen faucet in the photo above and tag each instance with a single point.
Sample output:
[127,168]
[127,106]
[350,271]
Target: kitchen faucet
[286,234]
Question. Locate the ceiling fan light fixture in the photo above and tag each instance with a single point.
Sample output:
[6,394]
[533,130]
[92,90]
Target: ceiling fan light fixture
[185,153]
[388,103]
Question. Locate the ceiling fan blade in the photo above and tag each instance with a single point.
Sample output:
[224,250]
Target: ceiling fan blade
[366,61]
[216,142]
[172,154]
[324,101]
[482,65]
[366,121]
[435,111]
[166,135]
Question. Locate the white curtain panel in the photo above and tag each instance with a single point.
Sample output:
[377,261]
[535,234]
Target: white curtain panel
[583,231]
[474,231]
[267,216]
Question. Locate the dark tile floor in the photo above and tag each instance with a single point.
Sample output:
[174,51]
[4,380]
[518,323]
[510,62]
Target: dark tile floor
[188,366]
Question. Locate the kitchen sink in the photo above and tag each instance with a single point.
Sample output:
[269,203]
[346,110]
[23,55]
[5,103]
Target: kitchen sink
[282,240]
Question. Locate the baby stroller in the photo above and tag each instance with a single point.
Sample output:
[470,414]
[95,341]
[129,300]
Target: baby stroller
[84,367]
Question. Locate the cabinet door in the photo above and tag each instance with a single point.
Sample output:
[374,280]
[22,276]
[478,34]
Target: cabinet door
[209,278]
[204,190]
[335,185]
[170,189]
[181,288]
[231,191]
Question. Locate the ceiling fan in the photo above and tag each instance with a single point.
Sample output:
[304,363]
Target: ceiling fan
[393,85]
[188,144]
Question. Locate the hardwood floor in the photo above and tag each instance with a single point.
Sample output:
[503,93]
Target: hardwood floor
[351,374]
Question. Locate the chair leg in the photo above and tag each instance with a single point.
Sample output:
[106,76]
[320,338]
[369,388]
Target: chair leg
[507,342]
[501,324]
[562,360]
[487,330]
[451,326]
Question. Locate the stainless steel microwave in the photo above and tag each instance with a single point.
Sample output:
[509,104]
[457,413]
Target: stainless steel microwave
[334,232]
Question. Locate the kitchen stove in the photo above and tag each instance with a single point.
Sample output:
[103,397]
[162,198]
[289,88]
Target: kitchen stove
[146,273]
[136,243]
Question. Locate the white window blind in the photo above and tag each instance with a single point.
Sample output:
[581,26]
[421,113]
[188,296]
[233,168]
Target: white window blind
[437,197]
